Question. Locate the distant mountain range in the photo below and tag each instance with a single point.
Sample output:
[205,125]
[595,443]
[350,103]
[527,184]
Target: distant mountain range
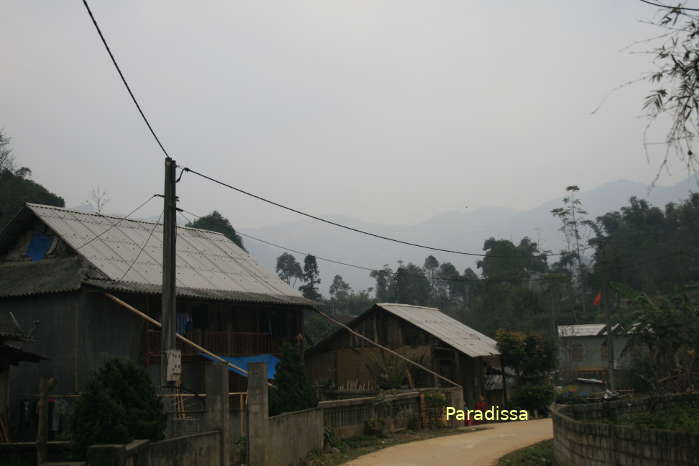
[464,231]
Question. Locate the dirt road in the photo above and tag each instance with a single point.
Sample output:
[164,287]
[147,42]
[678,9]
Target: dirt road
[481,448]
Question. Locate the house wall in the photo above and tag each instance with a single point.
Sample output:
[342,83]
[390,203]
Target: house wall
[349,366]
[592,358]
[54,338]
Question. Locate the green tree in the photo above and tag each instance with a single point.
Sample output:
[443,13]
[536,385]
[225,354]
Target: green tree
[647,248]
[675,79]
[289,269]
[411,285]
[119,404]
[533,358]
[383,278]
[575,227]
[293,390]
[664,341]
[311,277]
[220,224]
[339,289]
[6,160]
[430,266]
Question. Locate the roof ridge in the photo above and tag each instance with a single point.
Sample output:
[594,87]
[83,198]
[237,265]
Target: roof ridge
[114,217]
[409,305]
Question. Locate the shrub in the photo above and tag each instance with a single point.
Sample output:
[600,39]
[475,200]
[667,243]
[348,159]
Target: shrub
[533,396]
[375,427]
[119,405]
[436,406]
[293,391]
[676,418]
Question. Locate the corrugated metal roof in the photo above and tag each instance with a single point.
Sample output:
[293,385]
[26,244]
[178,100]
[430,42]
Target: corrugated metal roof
[45,276]
[447,329]
[581,330]
[206,261]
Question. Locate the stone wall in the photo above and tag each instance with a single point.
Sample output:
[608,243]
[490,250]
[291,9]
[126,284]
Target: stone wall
[292,435]
[585,435]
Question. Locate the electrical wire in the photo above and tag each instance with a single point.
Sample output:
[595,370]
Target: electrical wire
[370,269]
[340,225]
[155,225]
[669,7]
[114,225]
[123,79]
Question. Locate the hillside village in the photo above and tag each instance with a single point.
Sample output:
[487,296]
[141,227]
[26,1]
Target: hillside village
[162,330]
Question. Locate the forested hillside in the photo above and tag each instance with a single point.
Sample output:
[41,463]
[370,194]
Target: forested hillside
[17,187]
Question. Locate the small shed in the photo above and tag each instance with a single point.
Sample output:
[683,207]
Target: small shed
[423,334]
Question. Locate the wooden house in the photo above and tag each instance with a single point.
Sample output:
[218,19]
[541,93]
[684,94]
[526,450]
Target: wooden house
[583,351]
[425,335]
[57,265]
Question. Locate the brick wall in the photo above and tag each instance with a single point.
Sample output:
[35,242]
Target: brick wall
[585,435]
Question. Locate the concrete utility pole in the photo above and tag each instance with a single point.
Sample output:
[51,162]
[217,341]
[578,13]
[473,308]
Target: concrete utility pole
[610,339]
[170,361]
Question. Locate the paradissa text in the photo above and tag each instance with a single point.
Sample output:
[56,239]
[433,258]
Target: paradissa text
[494,413]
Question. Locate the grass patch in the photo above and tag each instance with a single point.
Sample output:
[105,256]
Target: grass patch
[677,418]
[347,450]
[539,454]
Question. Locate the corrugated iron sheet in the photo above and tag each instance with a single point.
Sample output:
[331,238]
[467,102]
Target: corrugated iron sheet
[450,331]
[581,330]
[129,254]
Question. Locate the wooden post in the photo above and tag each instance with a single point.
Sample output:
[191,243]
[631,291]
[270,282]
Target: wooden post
[42,434]
[504,383]
[410,378]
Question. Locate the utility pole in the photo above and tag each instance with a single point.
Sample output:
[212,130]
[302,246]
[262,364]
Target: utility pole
[170,361]
[610,339]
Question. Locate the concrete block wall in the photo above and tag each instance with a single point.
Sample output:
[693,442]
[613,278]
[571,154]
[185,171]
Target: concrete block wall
[280,440]
[583,436]
[293,435]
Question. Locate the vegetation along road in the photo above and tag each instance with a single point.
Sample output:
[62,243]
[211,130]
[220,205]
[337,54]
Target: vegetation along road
[480,448]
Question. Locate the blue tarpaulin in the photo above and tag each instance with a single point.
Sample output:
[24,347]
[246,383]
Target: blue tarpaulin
[39,246]
[243,361]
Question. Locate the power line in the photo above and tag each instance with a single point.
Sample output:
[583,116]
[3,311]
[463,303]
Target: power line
[269,243]
[155,225]
[370,269]
[340,225]
[669,7]
[115,224]
[123,79]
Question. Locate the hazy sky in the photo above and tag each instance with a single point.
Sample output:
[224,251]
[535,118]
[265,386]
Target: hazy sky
[388,111]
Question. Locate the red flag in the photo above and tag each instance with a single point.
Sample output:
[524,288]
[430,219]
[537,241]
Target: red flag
[597,299]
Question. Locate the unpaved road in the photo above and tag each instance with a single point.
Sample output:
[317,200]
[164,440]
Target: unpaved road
[480,448]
